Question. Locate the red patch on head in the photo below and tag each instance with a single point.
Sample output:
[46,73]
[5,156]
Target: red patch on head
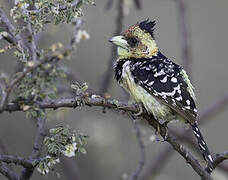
[128,32]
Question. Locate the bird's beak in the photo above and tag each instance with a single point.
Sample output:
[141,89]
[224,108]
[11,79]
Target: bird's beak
[120,41]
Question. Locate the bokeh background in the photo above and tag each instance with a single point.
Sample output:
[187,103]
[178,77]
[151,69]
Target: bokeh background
[112,150]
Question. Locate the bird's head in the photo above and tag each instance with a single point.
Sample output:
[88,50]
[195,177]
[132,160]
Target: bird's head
[137,42]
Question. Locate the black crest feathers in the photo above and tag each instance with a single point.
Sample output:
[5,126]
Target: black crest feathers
[148,26]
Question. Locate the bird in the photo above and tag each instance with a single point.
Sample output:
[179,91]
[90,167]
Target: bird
[155,82]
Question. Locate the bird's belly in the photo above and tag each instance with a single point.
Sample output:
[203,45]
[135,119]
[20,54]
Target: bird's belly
[140,95]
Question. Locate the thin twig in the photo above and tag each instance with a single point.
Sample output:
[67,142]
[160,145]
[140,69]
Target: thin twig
[138,4]
[12,37]
[159,162]
[73,5]
[8,173]
[119,26]
[206,115]
[71,102]
[31,41]
[4,150]
[4,169]
[41,132]
[219,159]
[61,8]
[170,138]
[109,4]
[99,101]
[15,81]
[16,160]
[135,174]
[185,35]
[213,109]
[77,27]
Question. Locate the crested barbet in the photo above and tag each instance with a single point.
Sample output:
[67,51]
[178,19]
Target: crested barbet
[155,82]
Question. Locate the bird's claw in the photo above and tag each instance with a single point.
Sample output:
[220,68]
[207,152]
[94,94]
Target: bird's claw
[166,133]
[140,111]
[158,131]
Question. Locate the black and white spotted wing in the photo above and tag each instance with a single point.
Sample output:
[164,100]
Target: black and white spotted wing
[164,80]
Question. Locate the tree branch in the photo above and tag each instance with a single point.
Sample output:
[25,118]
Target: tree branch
[135,174]
[218,159]
[213,109]
[72,102]
[157,164]
[119,26]
[15,81]
[108,5]
[170,138]
[61,8]
[185,36]
[8,173]
[4,169]
[138,4]
[73,4]
[12,37]
[16,160]
[94,100]
[204,116]
[41,132]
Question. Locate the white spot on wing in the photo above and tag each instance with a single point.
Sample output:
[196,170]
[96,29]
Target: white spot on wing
[151,83]
[145,81]
[209,156]
[202,147]
[187,107]
[170,93]
[188,102]
[138,63]
[173,79]
[178,98]
[159,73]
[164,80]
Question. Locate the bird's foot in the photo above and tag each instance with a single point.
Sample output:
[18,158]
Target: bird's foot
[140,110]
[158,131]
[166,129]
[166,133]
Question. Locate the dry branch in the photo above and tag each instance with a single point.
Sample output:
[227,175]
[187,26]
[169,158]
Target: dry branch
[41,132]
[16,160]
[15,81]
[108,103]
[135,174]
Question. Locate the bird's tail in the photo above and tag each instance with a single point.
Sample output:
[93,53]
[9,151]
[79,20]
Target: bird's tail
[203,146]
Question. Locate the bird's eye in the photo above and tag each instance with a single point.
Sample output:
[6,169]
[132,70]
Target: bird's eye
[132,41]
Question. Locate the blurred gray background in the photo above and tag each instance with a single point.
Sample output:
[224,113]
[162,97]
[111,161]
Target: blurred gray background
[112,149]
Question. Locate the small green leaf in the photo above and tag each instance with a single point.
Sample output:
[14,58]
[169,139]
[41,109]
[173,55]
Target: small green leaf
[82,150]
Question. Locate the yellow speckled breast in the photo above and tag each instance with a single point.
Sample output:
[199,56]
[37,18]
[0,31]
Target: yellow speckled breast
[140,95]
